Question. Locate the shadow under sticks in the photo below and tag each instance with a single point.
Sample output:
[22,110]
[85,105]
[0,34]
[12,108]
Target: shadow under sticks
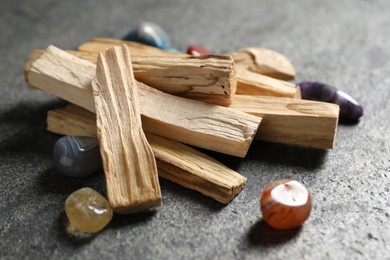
[121,220]
[289,155]
[230,161]
[66,235]
[348,122]
[26,129]
[263,235]
[173,192]
[52,181]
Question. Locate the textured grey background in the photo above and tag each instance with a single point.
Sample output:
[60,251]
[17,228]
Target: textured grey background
[343,43]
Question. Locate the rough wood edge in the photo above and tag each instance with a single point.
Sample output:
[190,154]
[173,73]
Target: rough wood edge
[100,44]
[264,61]
[208,78]
[176,162]
[192,122]
[292,121]
[129,165]
[251,83]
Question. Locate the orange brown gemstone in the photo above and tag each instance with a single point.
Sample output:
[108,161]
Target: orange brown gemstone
[285,204]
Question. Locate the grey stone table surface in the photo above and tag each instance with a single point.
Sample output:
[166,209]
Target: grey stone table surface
[344,43]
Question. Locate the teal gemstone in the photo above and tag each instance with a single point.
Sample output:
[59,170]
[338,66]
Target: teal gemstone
[149,34]
[171,50]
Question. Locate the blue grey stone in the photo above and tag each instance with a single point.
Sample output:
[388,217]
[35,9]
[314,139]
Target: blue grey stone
[77,156]
[149,34]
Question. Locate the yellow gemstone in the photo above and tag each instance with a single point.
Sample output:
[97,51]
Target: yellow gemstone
[87,210]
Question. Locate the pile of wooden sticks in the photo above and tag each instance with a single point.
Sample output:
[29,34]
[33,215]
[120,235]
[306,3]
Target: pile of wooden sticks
[146,105]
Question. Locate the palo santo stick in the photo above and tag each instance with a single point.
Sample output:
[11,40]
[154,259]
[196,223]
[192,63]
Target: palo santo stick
[128,161]
[259,60]
[292,121]
[97,45]
[251,83]
[210,78]
[192,122]
[195,170]
[264,61]
[196,123]
[176,162]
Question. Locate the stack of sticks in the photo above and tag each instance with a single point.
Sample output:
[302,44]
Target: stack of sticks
[146,105]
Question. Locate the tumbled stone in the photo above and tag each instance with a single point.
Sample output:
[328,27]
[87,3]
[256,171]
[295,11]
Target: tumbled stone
[171,50]
[196,50]
[285,204]
[87,211]
[150,34]
[77,156]
[350,109]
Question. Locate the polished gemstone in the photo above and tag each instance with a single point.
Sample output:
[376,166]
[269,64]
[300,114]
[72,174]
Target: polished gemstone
[285,204]
[350,109]
[172,50]
[87,211]
[77,156]
[196,50]
[149,34]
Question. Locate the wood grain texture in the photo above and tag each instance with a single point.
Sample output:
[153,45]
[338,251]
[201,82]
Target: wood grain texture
[63,75]
[251,83]
[195,170]
[176,162]
[292,121]
[264,61]
[209,78]
[97,45]
[259,60]
[192,122]
[129,165]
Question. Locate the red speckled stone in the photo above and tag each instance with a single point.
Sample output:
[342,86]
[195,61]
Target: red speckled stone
[196,50]
[285,204]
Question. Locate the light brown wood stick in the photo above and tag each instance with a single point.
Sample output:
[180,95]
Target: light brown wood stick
[259,60]
[128,160]
[192,122]
[250,62]
[176,162]
[248,82]
[195,170]
[292,121]
[97,45]
[211,78]
[264,61]
[251,83]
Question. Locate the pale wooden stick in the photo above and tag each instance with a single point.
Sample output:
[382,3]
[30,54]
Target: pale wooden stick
[192,122]
[72,120]
[264,61]
[97,45]
[251,83]
[176,162]
[259,60]
[292,121]
[128,160]
[195,170]
[210,78]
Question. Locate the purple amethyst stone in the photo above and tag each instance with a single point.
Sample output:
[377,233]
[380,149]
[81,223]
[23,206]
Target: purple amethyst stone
[350,109]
